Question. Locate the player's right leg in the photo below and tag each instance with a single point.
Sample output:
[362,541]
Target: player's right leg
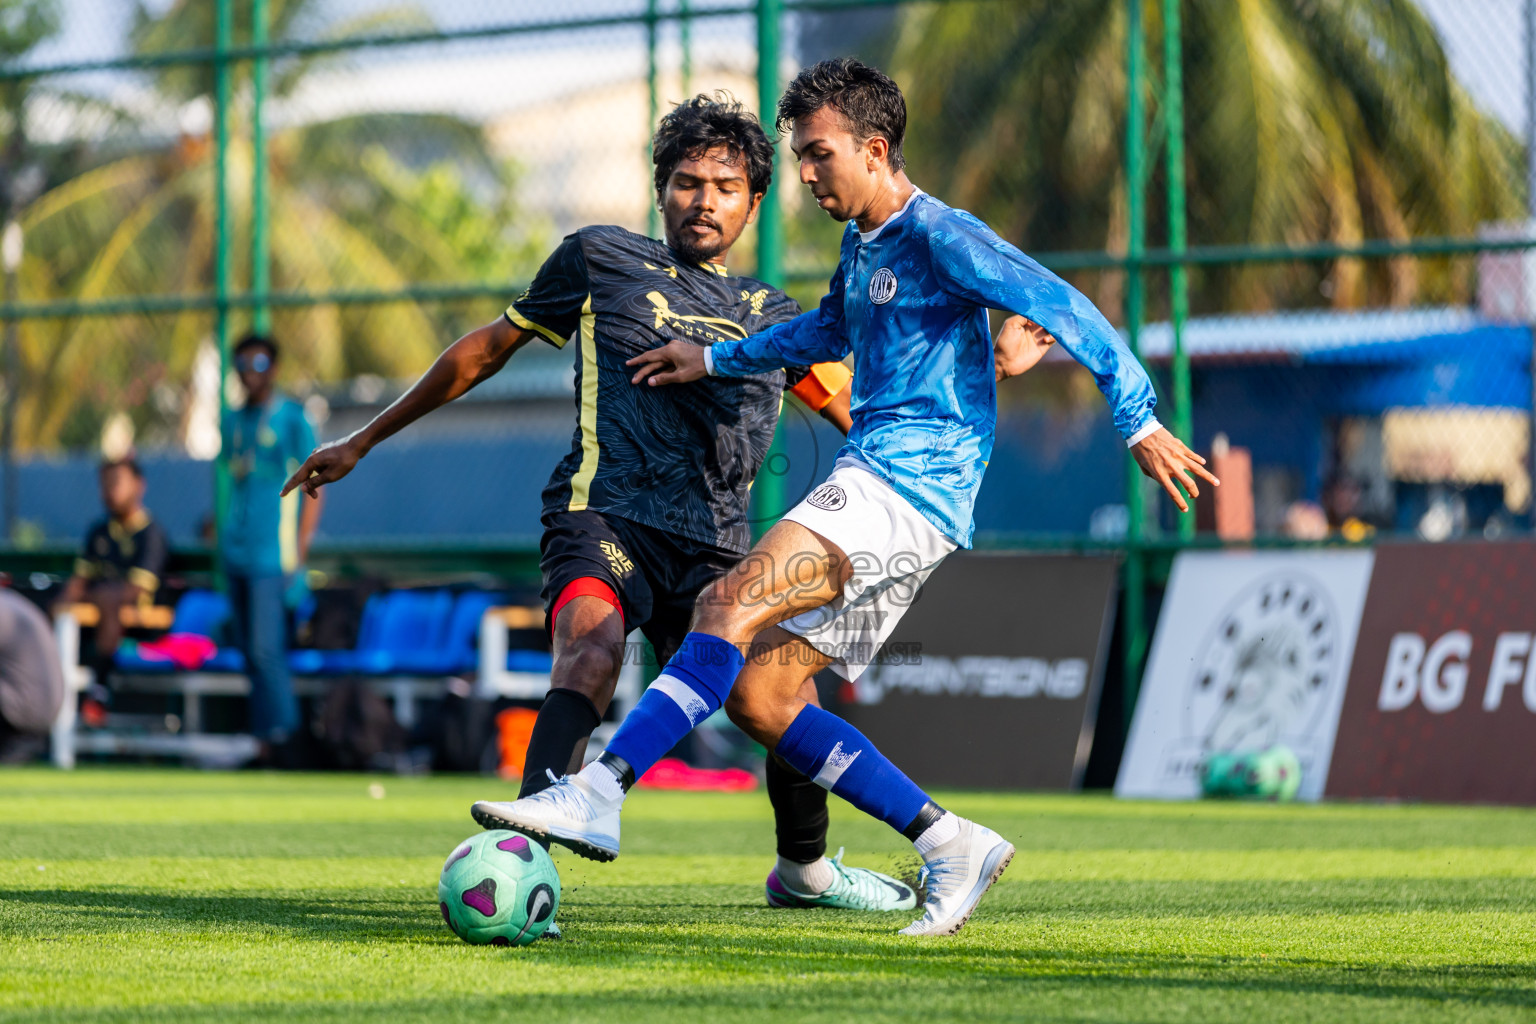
[593,588]
[588,641]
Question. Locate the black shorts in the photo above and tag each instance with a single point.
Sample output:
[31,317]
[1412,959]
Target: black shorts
[657,575]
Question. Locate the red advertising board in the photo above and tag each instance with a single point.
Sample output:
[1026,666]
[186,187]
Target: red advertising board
[1441,703]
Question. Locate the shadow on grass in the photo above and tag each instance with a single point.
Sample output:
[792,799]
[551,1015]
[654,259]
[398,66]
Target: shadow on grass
[375,914]
[1120,988]
[743,946]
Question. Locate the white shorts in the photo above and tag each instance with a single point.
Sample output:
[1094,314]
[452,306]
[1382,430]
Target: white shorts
[893,549]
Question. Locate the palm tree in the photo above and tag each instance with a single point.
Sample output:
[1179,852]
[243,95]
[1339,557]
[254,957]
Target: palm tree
[1307,121]
[347,212]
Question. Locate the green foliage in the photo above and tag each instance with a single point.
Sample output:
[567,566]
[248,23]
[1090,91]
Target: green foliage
[25,23]
[1307,121]
[367,202]
[131,895]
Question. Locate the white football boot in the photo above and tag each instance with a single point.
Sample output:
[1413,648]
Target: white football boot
[571,813]
[956,875]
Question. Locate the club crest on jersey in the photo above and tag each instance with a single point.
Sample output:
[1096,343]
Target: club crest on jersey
[882,287]
[829,497]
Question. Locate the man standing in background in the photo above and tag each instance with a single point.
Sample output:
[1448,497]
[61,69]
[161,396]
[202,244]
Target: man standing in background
[265,538]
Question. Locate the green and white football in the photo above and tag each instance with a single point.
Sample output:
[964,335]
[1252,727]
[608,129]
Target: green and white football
[498,888]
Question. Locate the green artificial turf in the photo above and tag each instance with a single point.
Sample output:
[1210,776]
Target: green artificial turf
[160,894]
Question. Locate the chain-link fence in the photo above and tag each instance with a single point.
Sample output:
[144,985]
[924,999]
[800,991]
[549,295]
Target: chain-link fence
[1311,218]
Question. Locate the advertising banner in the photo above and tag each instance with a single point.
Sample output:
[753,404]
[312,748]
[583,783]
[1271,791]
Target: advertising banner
[992,678]
[1442,699]
[1252,649]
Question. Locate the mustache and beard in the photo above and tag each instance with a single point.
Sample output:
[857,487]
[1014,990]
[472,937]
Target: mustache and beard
[695,249]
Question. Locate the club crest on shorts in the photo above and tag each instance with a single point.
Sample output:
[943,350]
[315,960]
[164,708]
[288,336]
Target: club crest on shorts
[882,287]
[829,497]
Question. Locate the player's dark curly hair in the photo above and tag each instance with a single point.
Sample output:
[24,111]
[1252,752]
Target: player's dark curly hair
[870,103]
[700,124]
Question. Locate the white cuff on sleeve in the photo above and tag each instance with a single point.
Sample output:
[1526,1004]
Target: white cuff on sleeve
[709,361]
[1141,435]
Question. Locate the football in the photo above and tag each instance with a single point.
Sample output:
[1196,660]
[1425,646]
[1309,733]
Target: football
[498,888]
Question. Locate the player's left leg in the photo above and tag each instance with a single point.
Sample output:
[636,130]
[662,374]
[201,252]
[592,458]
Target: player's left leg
[961,858]
[803,875]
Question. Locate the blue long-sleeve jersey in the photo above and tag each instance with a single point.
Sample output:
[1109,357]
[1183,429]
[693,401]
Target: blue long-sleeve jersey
[910,301]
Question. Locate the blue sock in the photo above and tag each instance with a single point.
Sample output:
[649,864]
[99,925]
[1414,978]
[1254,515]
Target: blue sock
[690,689]
[838,757]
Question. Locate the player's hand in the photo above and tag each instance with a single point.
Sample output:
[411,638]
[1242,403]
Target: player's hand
[676,362]
[1167,460]
[1019,345]
[326,464]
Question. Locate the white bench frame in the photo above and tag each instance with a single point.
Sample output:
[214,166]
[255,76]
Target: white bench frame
[404,692]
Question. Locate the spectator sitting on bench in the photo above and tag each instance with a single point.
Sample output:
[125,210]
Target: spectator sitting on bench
[121,566]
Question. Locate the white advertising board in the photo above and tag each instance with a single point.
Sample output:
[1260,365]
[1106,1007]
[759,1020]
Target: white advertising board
[1251,649]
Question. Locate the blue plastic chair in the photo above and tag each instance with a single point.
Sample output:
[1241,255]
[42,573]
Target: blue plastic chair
[530,661]
[336,663]
[455,650]
[399,632]
[201,612]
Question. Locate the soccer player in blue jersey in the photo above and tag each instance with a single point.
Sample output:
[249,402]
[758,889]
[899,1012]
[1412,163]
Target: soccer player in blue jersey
[650,505]
[828,583]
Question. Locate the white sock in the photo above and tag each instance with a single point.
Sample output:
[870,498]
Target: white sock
[603,782]
[809,879]
[937,834]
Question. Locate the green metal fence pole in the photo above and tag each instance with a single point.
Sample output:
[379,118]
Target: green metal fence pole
[223,28]
[1134,627]
[770,229]
[653,215]
[685,41]
[1178,273]
[261,259]
[768,492]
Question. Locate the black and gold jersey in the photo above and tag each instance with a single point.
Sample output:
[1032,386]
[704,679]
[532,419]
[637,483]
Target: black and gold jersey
[133,551]
[676,458]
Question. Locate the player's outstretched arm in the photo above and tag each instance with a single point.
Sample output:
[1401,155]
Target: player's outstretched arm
[465,363]
[1019,345]
[1170,462]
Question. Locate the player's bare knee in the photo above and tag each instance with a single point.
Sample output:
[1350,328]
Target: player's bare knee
[736,710]
[587,666]
[752,713]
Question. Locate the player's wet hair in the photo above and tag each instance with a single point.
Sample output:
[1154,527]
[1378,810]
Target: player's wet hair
[257,341]
[869,101]
[696,126]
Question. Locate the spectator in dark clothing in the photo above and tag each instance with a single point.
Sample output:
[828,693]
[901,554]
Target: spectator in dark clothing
[122,564]
[31,679]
